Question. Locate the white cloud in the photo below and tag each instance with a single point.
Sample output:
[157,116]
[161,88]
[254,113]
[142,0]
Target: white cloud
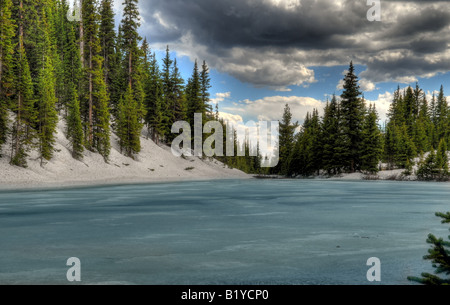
[234,119]
[366,85]
[271,108]
[220,97]
[382,104]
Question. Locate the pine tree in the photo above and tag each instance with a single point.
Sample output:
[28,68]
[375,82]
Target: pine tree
[129,126]
[108,40]
[286,141]
[442,161]
[167,87]
[47,118]
[423,131]
[130,40]
[205,85]
[96,110]
[372,143]
[133,62]
[427,168]
[439,256]
[118,83]
[352,107]
[7,33]
[154,99]
[46,88]
[72,64]
[330,138]
[442,117]
[23,106]
[390,140]
[74,126]
[178,96]
[193,95]
[405,150]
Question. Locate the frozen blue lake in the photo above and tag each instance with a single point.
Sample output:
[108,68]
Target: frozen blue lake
[221,232]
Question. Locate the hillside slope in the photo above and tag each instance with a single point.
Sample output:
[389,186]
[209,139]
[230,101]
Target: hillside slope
[154,164]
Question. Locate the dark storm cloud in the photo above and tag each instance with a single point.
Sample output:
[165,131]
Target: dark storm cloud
[272,42]
[246,23]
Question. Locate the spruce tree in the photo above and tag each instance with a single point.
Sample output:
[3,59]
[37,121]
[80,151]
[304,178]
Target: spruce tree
[46,88]
[352,107]
[47,116]
[96,100]
[7,33]
[442,117]
[330,138]
[25,113]
[427,168]
[129,126]
[372,143]
[167,87]
[118,83]
[405,150]
[286,141]
[193,95]
[178,96]
[439,257]
[74,127]
[133,62]
[154,118]
[108,40]
[205,85]
[442,161]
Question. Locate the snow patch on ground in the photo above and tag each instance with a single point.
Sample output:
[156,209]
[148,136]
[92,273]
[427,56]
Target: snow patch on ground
[154,164]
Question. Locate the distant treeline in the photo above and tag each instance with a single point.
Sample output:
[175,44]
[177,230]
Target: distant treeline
[348,137]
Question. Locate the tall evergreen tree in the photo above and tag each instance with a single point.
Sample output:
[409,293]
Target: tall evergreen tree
[74,126]
[96,110]
[107,40]
[154,118]
[442,118]
[372,145]
[23,106]
[47,116]
[330,138]
[133,62]
[286,141]
[46,88]
[7,33]
[193,95]
[352,107]
[205,85]
[129,126]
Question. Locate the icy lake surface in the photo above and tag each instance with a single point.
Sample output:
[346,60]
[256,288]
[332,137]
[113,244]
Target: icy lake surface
[221,232]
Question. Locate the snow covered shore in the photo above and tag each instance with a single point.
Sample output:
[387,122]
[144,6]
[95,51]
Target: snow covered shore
[154,164]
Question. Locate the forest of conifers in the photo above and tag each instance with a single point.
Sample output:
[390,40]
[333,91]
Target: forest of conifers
[101,80]
[349,138]
[98,79]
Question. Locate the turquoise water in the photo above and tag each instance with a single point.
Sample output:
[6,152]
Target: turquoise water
[221,232]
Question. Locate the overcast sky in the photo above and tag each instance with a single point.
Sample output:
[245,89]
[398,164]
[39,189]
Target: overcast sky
[264,53]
